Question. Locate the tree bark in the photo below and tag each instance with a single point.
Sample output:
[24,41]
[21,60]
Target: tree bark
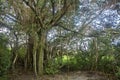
[41,48]
[35,55]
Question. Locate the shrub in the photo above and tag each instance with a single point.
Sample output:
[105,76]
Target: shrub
[52,67]
[107,64]
[84,61]
[118,73]
[4,55]
[5,77]
[4,61]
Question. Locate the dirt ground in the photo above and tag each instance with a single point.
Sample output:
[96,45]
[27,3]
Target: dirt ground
[77,75]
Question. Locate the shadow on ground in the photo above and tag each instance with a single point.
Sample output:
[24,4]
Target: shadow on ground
[78,75]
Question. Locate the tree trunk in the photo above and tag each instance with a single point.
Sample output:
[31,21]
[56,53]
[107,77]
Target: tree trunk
[35,54]
[97,54]
[41,48]
[29,54]
[46,52]
[14,61]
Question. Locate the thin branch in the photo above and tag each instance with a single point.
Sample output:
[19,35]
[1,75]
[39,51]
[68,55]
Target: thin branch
[53,7]
[36,13]
[28,4]
[13,18]
[58,16]
[43,6]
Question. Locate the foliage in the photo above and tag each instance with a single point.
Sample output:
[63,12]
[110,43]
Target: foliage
[107,64]
[52,67]
[4,56]
[21,54]
[84,60]
[64,63]
[87,61]
[3,77]
[118,72]
[4,61]
[65,26]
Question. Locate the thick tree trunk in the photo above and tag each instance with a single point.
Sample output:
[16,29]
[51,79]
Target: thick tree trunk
[41,48]
[45,55]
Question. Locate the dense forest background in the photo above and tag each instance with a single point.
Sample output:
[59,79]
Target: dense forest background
[53,36]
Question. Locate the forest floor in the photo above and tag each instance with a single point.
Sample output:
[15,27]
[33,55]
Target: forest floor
[75,75]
